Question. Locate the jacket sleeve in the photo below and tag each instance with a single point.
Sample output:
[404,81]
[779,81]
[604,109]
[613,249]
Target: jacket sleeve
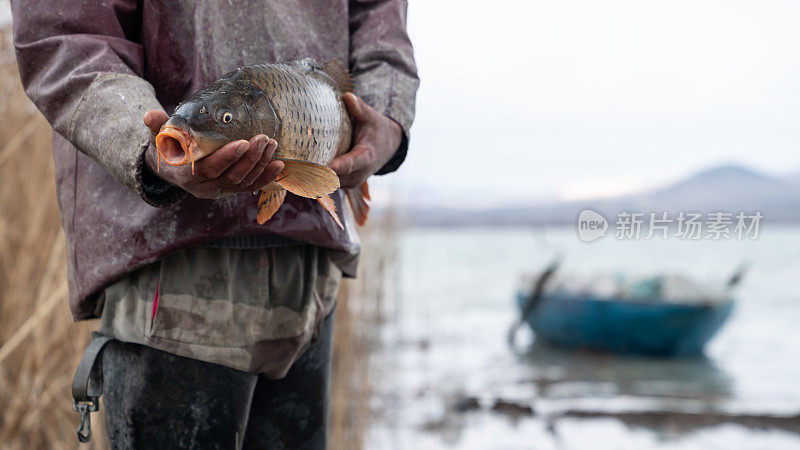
[81,68]
[382,63]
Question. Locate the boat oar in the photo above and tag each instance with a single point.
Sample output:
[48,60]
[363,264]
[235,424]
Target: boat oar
[737,276]
[533,299]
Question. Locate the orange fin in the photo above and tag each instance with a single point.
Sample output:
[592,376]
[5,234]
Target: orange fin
[307,179]
[338,72]
[327,203]
[359,202]
[271,199]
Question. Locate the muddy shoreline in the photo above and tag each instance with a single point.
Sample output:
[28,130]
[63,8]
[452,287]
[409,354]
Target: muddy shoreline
[685,422]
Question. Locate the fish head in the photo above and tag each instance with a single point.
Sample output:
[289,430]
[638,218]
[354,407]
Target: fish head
[201,125]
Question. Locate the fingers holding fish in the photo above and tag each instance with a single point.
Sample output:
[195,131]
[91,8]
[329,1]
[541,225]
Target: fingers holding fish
[354,166]
[154,120]
[376,139]
[270,173]
[266,157]
[258,169]
[233,179]
[358,110]
[239,170]
[215,164]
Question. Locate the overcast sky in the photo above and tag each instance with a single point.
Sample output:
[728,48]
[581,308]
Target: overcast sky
[543,100]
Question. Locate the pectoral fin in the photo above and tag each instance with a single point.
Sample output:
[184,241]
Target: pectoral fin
[307,179]
[359,202]
[271,199]
[327,203]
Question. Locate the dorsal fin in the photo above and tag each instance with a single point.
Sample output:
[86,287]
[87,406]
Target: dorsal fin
[338,72]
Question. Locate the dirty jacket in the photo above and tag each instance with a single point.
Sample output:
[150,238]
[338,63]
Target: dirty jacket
[94,68]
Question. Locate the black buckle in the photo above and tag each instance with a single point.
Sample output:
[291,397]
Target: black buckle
[85,429]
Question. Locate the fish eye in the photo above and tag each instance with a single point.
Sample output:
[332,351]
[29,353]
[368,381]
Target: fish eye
[203,110]
[227,117]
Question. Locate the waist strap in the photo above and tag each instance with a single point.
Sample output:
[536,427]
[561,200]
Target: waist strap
[86,398]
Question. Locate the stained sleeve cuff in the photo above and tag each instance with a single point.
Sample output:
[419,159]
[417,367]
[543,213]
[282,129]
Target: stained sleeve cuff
[399,155]
[393,94]
[153,189]
[107,126]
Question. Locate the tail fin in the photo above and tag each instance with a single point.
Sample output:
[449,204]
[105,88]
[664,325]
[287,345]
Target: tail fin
[271,199]
[359,202]
[327,202]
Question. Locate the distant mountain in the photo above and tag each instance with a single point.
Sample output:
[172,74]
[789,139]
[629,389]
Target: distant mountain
[728,188]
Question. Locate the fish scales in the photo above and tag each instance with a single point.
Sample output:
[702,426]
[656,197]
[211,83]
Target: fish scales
[314,125]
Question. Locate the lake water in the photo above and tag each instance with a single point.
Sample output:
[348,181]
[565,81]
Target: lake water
[445,361]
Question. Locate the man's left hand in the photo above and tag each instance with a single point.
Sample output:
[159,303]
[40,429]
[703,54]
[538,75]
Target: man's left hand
[375,140]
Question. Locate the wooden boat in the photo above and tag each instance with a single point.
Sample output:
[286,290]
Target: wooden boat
[623,324]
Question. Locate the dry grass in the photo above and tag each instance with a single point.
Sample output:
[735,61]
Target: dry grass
[40,345]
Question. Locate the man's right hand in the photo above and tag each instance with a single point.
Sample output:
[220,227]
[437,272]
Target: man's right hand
[239,166]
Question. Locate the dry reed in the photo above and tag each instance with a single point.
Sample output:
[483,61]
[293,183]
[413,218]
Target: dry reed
[40,345]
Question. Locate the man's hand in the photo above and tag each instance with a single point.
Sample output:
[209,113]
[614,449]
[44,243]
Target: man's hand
[375,140]
[239,166]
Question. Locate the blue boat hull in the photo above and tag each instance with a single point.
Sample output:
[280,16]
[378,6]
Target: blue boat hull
[656,329]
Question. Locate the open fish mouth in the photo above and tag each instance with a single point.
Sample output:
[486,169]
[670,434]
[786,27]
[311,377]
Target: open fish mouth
[176,146]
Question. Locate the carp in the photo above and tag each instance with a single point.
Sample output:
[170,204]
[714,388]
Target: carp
[297,103]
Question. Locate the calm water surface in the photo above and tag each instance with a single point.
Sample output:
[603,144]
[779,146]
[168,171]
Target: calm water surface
[445,361]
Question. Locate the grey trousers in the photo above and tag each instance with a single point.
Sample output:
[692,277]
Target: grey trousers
[156,400]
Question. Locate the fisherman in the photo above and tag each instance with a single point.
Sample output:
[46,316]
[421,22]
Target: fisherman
[220,327]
